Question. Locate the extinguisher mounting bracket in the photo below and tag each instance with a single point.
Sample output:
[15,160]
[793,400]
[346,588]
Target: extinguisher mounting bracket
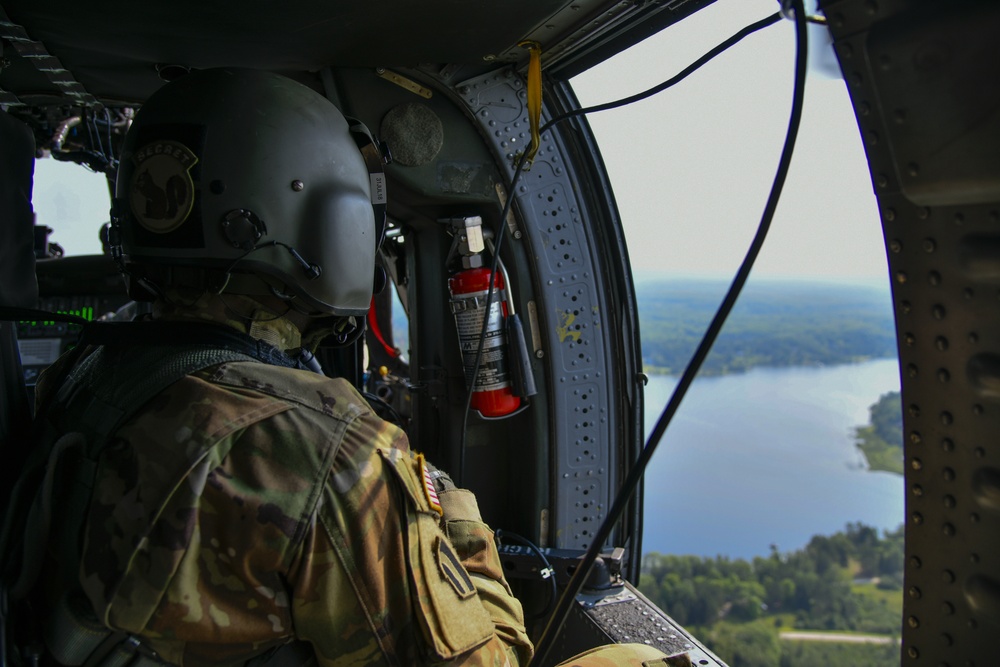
[469,235]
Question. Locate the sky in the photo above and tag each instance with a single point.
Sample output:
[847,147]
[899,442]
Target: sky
[692,167]
[73,201]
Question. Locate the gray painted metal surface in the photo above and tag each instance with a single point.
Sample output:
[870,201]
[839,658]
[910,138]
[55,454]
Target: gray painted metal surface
[922,81]
[570,308]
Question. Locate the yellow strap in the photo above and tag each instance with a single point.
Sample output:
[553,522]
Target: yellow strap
[534,97]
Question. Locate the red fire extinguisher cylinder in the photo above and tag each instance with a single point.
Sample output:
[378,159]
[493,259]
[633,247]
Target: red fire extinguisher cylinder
[492,394]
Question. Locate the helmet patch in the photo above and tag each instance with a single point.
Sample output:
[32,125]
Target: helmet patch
[161,191]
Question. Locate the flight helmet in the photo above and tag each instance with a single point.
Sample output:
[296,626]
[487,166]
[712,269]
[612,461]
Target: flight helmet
[247,182]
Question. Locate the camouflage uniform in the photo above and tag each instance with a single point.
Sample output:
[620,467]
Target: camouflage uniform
[250,505]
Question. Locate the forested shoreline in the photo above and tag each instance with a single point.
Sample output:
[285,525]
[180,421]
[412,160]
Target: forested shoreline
[881,441]
[773,324]
[848,582]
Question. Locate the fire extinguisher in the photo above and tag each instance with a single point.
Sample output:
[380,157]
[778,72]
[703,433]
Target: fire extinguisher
[492,393]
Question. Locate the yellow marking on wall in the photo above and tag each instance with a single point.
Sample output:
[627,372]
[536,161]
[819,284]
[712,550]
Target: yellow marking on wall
[566,319]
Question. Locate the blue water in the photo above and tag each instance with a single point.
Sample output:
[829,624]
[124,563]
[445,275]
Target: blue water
[767,457]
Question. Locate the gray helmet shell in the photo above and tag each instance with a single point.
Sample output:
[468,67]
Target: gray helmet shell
[256,179]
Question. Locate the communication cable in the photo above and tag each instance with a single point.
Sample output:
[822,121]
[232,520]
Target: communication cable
[680,76]
[529,154]
[494,265]
[547,571]
[635,473]
[637,470]
[534,103]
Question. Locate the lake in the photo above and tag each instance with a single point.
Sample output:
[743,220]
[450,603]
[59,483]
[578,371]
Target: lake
[766,457]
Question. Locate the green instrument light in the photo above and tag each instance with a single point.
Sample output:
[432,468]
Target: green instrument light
[85,312]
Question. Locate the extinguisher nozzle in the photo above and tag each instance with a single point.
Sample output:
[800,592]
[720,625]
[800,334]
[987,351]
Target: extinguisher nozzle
[521,375]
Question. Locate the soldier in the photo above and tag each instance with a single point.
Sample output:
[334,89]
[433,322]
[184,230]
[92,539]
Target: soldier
[249,505]
[227,506]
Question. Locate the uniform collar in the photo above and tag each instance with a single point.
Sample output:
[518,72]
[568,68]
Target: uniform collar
[238,312]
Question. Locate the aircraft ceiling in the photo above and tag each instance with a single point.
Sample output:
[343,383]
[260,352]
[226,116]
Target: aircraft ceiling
[114,50]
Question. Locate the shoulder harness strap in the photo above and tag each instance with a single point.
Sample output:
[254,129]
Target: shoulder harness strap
[100,393]
[96,398]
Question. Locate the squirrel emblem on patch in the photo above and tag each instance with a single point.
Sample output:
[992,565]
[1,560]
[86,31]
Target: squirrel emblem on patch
[162,191]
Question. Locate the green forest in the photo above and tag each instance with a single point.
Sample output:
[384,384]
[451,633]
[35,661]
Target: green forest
[774,323]
[881,440]
[748,612]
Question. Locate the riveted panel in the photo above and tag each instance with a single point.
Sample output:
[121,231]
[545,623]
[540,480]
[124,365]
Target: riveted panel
[571,311]
[921,79]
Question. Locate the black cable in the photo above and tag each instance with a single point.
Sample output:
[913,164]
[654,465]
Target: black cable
[90,130]
[95,134]
[112,163]
[381,407]
[737,37]
[548,572]
[697,64]
[636,471]
[486,316]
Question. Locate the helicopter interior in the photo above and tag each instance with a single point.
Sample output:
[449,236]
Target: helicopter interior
[448,87]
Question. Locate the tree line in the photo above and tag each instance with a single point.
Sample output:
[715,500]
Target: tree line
[773,324]
[850,581]
[881,441]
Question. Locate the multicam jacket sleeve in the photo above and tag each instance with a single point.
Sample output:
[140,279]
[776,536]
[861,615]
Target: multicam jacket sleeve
[251,505]
[415,596]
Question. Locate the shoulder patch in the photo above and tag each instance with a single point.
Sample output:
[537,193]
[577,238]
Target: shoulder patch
[161,191]
[452,569]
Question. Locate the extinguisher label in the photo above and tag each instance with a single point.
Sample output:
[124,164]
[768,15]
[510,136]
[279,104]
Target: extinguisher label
[469,310]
